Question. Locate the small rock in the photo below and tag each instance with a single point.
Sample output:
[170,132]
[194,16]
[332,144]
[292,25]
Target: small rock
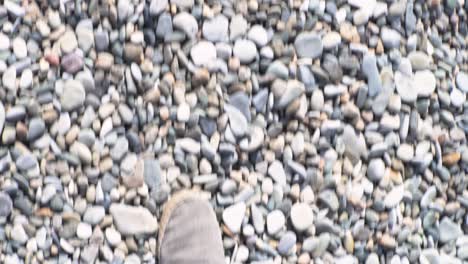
[308,45]
[133,220]
[233,216]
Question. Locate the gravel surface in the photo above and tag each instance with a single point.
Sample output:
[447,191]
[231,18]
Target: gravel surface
[321,131]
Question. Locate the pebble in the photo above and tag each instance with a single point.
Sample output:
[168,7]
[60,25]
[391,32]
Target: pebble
[258,35]
[203,53]
[301,216]
[84,230]
[233,216]
[462,81]
[216,29]
[286,243]
[19,48]
[6,205]
[394,197]
[245,50]
[308,45]
[376,170]
[275,222]
[73,95]
[124,219]
[187,23]
[449,230]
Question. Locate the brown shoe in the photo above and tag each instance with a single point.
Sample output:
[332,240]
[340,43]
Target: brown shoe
[189,231]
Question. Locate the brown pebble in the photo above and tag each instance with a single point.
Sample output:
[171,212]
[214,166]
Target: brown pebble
[451,158]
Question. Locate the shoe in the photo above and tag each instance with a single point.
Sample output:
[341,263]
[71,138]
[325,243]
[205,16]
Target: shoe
[189,232]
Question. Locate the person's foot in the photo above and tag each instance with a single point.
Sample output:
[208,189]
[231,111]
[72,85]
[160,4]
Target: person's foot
[189,232]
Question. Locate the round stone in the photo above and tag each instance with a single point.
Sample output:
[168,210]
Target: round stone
[258,35]
[308,45]
[216,29]
[275,222]
[73,95]
[425,82]
[84,230]
[301,216]
[245,50]
[19,48]
[331,40]
[462,81]
[376,170]
[203,53]
[6,205]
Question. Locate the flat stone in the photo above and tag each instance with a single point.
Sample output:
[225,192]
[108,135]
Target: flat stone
[277,173]
[6,205]
[72,62]
[419,60]
[329,199]
[94,215]
[331,40]
[26,79]
[301,216]
[394,197]
[68,42]
[275,222]
[73,95]
[405,152]
[133,220]
[189,145]
[425,82]
[286,243]
[355,143]
[258,35]
[120,149]
[82,152]
[84,230]
[369,67]
[187,23]
[449,230]
[308,45]
[238,27]
[405,88]
[245,50]
[376,170]
[36,129]
[18,234]
[390,38]
[152,173]
[233,216]
[238,122]
[19,48]
[216,29]
[203,53]
[164,26]
[9,78]
[462,81]
[158,6]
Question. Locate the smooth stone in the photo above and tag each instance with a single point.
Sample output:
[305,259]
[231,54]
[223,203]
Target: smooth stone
[329,199]
[355,143]
[203,53]
[457,97]
[405,88]
[187,23]
[375,170]
[425,82]
[19,48]
[462,81]
[294,89]
[6,205]
[405,152]
[237,27]
[158,6]
[18,234]
[36,128]
[308,45]
[258,34]
[419,60]
[369,67]
[84,230]
[275,222]
[278,69]
[394,197]
[277,173]
[68,42]
[120,149]
[216,29]
[245,50]
[189,145]
[72,62]
[133,220]
[183,112]
[113,236]
[238,123]
[9,78]
[241,101]
[81,151]
[428,197]
[26,162]
[286,243]
[94,215]
[233,216]
[302,216]
[4,42]
[152,173]
[331,40]
[26,79]
[390,38]
[2,117]
[73,95]
[164,27]
[449,230]
[183,4]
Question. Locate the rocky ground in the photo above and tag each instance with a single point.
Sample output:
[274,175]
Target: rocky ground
[321,131]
